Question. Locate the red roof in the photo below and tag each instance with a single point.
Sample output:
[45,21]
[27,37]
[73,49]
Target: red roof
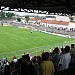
[34,19]
[51,21]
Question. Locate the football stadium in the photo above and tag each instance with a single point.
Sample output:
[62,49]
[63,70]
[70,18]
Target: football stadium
[37,37]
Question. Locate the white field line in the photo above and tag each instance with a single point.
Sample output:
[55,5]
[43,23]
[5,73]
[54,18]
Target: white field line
[68,36]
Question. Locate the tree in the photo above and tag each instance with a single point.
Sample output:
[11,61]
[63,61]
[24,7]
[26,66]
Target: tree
[27,18]
[18,19]
[9,15]
[2,15]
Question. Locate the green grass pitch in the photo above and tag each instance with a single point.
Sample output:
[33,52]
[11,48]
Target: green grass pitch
[16,41]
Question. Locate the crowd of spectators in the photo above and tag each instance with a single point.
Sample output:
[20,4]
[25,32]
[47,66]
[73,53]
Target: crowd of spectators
[61,61]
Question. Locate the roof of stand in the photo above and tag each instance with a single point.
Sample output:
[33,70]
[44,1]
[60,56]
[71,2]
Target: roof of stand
[52,6]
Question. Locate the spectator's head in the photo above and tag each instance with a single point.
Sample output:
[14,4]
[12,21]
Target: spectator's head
[56,50]
[34,60]
[67,49]
[12,63]
[19,61]
[35,57]
[38,58]
[26,58]
[72,45]
[45,56]
[62,50]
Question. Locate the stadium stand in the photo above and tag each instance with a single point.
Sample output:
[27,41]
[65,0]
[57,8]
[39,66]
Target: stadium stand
[24,66]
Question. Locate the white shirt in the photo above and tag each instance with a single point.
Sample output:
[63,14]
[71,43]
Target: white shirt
[15,60]
[65,60]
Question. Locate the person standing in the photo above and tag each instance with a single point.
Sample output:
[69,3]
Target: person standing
[46,66]
[55,59]
[66,59]
[72,53]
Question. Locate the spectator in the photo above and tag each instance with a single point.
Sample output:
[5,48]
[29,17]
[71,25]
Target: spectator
[46,67]
[66,59]
[69,71]
[16,70]
[26,67]
[72,64]
[14,57]
[62,51]
[39,60]
[36,66]
[7,70]
[61,57]
[56,59]
[72,53]
[4,61]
